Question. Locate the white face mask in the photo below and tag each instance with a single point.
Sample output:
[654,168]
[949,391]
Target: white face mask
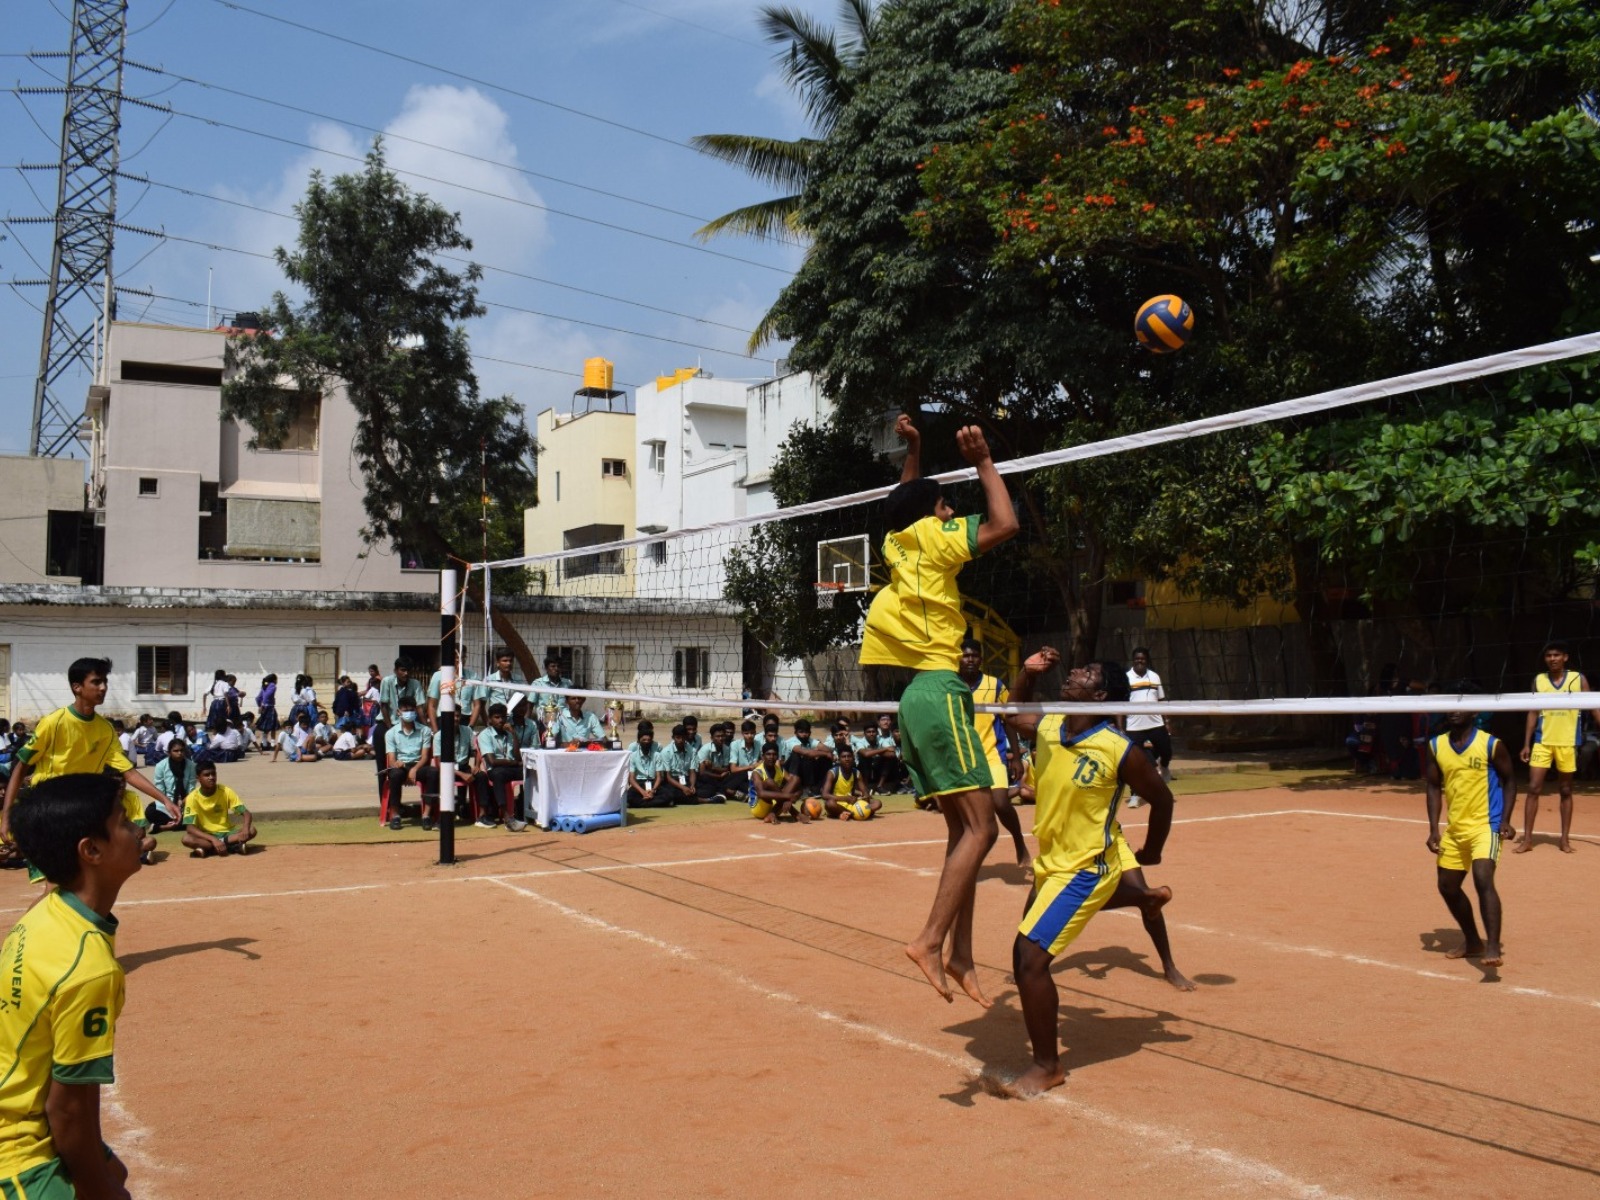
[408,717]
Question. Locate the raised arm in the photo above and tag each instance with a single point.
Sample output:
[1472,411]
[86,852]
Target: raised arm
[912,468]
[1027,724]
[1000,523]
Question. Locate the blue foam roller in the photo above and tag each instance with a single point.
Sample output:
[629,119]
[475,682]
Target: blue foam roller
[598,821]
[566,824]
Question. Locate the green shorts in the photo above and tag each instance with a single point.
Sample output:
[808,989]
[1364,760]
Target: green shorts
[47,1181]
[939,738]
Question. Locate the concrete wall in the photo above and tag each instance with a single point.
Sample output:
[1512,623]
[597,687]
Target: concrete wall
[175,434]
[29,489]
[574,493]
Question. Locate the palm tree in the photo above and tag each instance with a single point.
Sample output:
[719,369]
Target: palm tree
[822,68]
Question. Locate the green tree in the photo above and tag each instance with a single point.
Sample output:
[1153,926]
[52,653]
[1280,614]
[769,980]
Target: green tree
[771,576]
[385,320]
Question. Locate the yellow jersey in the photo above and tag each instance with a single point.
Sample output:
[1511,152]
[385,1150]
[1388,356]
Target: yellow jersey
[992,726]
[1078,786]
[775,778]
[843,786]
[59,1002]
[915,621]
[1558,727]
[1473,797]
[211,812]
[68,743]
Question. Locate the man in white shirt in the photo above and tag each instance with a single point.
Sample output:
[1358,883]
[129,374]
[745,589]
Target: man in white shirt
[1149,732]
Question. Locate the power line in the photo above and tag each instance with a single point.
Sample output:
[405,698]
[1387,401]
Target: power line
[270,212]
[474,79]
[665,16]
[399,137]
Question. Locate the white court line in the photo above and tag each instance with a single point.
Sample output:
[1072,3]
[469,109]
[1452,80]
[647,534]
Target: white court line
[131,1144]
[1165,1140]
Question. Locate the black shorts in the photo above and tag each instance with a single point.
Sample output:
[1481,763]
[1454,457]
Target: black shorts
[1157,743]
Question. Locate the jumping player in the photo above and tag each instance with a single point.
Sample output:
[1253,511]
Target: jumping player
[1551,740]
[916,622]
[1470,771]
[1082,765]
[64,992]
[986,689]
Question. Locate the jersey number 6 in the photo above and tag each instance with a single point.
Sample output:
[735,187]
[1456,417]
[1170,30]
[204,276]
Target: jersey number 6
[94,1023]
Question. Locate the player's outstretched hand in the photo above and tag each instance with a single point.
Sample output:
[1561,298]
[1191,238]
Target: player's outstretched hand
[905,430]
[1147,858]
[1433,840]
[1041,661]
[970,441]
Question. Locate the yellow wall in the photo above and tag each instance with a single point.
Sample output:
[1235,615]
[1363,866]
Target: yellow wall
[573,446]
[1168,608]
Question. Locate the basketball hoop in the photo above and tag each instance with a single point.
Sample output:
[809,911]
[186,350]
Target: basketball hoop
[826,592]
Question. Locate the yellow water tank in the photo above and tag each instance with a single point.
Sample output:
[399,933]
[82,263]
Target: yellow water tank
[663,382]
[598,374]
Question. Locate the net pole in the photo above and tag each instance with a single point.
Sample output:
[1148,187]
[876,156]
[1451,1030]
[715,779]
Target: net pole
[448,643]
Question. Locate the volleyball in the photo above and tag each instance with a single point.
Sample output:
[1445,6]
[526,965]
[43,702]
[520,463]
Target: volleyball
[1163,324]
[862,810]
[813,806]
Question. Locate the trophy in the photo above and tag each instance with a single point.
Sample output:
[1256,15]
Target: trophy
[547,712]
[614,723]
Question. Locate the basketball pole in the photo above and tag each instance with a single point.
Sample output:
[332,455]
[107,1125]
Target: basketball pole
[447,717]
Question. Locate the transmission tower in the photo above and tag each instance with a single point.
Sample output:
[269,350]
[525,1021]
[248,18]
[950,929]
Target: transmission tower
[81,287]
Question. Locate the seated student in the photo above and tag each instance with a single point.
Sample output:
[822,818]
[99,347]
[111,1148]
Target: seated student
[677,762]
[323,735]
[691,732]
[172,728]
[807,758]
[501,763]
[175,778]
[208,812]
[351,744]
[639,730]
[576,726]
[714,779]
[64,991]
[305,739]
[774,791]
[552,677]
[407,751]
[870,758]
[899,778]
[744,756]
[286,745]
[8,749]
[844,788]
[644,770]
[466,760]
[124,738]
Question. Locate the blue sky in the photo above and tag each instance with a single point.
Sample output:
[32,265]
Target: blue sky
[668,68]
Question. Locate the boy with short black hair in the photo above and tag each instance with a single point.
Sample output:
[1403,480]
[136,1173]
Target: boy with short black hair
[678,763]
[807,758]
[691,732]
[773,790]
[208,811]
[502,767]
[845,788]
[64,991]
[713,769]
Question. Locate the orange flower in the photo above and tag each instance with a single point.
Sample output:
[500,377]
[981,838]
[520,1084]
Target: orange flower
[1379,51]
[1254,84]
[1335,59]
[1258,126]
[1147,206]
[1419,41]
[1324,144]
[1194,105]
[1449,79]
[1297,72]
[1368,92]
[1016,68]
[1169,121]
[1230,72]
[1341,124]
[1394,148]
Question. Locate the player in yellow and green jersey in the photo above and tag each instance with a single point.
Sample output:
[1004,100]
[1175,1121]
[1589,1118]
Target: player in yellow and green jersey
[63,992]
[916,621]
[1083,766]
[1551,739]
[1468,774]
[986,689]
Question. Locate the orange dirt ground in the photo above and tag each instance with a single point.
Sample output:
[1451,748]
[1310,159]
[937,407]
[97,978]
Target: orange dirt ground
[724,1009]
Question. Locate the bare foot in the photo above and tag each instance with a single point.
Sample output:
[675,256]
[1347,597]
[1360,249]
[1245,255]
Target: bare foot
[1035,1081]
[1179,980]
[1154,900]
[967,978]
[1524,844]
[1565,847]
[1493,956]
[933,969]
[769,819]
[1469,950]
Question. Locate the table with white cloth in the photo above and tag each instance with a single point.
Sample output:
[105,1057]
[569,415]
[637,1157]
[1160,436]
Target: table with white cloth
[574,783]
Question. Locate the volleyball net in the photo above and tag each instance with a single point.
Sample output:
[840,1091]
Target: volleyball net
[1405,543]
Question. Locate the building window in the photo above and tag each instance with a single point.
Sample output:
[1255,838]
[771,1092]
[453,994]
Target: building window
[149,486]
[613,468]
[691,667]
[574,662]
[558,487]
[656,552]
[658,456]
[304,417]
[163,671]
[578,566]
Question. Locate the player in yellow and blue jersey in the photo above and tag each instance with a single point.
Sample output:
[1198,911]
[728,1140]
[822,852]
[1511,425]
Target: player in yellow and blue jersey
[1468,774]
[916,622]
[1551,739]
[64,992]
[1083,766]
[986,689]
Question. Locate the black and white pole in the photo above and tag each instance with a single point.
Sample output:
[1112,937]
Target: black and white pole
[447,717]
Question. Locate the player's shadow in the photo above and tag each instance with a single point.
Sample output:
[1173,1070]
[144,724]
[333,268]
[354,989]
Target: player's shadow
[235,945]
[1008,872]
[1442,941]
[997,1040]
[520,847]
[1101,961]
[1349,781]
